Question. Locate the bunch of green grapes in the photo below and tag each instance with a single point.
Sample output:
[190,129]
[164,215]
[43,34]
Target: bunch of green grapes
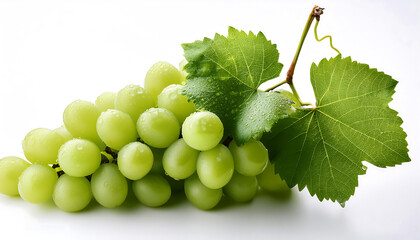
[151,137]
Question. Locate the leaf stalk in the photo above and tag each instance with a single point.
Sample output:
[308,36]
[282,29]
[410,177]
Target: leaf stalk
[276,86]
[315,14]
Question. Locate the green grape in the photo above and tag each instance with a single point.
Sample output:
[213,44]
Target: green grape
[80,120]
[180,160]
[159,76]
[215,167]
[202,130]
[184,73]
[157,160]
[36,183]
[290,96]
[133,100]
[170,98]
[72,194]
[79,157]
[10,170]
[135,160]
[241,188]
[109,186]
[64,133]
[153,190]
[201,196]
[116,129]
[105,101]
[250,158]
[41,146]
[158,127]
[270,181]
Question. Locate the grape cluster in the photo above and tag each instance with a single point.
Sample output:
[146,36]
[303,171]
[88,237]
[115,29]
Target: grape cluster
[151,137]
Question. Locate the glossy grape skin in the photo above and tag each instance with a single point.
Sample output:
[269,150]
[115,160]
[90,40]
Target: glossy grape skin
[184,73]
[10,170]
[135,160]
[250,158]
[270,181]
[41,146]
[64,133]
[72,194]
[201,196]
[153,190]
[109,186]
[116,129]
[159,76]
[241,188]
[80,118]
[180,160]
[133,100]
[171,98]
[158,127]
[215,167]
[105,101]
[202,130]
[36,183]
[79,157]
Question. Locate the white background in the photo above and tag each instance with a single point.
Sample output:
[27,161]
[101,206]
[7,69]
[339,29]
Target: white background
[54,52]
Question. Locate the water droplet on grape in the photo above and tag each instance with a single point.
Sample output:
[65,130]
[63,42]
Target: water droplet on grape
[173,96]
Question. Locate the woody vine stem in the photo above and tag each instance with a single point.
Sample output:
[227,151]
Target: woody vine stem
[315,14]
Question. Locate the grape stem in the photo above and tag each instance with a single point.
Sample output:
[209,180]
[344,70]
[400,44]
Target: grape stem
[104,159]
[60,173]
[110,152]
[58,169]
[315,14]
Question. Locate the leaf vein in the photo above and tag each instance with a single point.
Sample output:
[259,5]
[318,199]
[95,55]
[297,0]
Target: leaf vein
[361,133]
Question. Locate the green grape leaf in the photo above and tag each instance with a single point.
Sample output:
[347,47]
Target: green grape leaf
[323,148]
[224,74]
